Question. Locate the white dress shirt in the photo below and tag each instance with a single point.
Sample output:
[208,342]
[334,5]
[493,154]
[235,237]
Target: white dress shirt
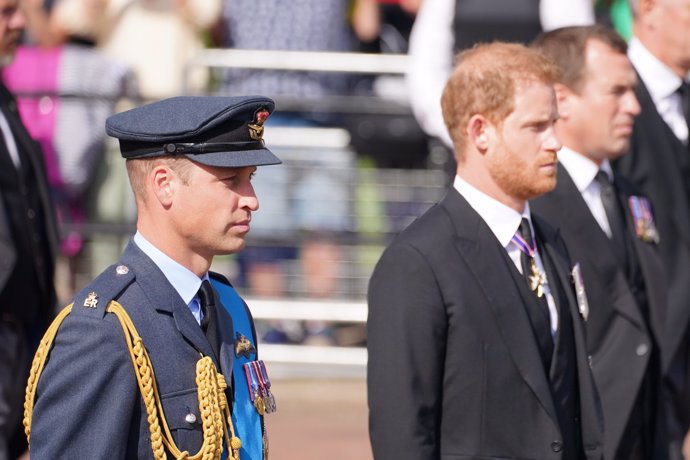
[662,84]
[9,140]
[504,222]
[184,281]
[583,171]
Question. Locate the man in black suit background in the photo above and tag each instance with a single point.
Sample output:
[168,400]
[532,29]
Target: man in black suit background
[600,217]
[28,242]
[659,163]
[475,337]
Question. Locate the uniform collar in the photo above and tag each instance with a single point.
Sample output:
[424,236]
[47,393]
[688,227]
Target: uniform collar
[184,281]
[660,80]
[581,169]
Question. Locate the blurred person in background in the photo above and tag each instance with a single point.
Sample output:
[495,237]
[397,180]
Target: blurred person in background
[600,216]
[28,246]
[659,163]
[384,26]
[155,38]
[475,329]
[444,27]
[65,89]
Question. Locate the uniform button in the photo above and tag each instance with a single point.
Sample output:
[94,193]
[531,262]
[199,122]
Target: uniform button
[589,360]
[642,349]
[556,446]
[190,418]
[31,213]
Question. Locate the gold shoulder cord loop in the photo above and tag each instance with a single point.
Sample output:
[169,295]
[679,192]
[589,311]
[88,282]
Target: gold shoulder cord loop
[213,405]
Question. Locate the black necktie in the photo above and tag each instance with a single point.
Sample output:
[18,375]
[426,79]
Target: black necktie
[529,263]
[613,214]
[207,302]
[539,314]
[525,259]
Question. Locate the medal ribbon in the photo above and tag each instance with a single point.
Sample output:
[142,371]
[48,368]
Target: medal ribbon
[525,247]
[251,381]
[259,377]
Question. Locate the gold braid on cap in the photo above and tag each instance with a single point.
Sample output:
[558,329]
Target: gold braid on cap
[216,420]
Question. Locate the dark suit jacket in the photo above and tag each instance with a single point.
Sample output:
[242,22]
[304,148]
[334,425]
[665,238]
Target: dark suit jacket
[618,337]
[454,368]
[88,404]
[8,253]
[658,164]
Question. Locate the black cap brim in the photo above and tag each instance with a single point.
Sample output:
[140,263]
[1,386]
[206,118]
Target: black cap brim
[236,159]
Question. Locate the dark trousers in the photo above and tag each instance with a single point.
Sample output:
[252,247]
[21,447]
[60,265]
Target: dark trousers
[14,370]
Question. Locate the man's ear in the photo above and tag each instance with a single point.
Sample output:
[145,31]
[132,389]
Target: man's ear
[161,182]
[564,99]
[479,131]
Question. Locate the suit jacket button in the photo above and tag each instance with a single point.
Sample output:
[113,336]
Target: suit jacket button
[642,349]
[556,446]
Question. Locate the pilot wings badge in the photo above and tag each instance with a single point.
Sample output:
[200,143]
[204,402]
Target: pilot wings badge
[243,347]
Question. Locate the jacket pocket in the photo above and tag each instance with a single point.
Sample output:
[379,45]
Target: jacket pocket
[184,420]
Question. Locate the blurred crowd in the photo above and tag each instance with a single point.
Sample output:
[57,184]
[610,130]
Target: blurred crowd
[82,60]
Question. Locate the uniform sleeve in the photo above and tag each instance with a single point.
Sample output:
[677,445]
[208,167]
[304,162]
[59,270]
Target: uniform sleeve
[87,393]
[406,344]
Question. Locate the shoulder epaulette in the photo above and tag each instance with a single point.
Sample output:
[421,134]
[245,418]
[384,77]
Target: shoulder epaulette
[95,297]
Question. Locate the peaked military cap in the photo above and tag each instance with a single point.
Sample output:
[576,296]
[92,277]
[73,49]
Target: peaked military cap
[214,131]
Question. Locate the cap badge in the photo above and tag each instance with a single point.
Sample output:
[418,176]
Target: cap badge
[256,129]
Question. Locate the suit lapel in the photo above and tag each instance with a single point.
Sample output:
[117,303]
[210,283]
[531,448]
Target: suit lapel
[669,154]
[592,243]
[165,298]
[482,252]
[32,151]
[590,410]
[650,265]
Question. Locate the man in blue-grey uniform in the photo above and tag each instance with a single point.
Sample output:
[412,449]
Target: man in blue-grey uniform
[196,384]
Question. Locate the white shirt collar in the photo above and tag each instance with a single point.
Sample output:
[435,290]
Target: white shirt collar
[501,219]
[581,169]
[184,281]
[660,80]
